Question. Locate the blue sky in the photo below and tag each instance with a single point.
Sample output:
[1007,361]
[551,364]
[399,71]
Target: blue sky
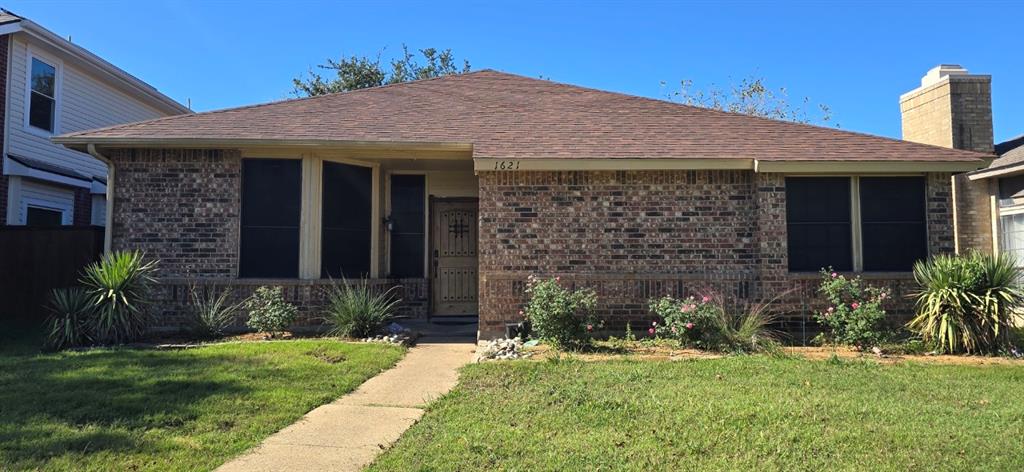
[856,57]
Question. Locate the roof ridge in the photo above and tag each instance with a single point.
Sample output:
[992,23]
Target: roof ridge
[273,102]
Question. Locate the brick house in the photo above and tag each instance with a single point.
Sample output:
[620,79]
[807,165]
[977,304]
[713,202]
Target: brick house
[457,188]
[953,108]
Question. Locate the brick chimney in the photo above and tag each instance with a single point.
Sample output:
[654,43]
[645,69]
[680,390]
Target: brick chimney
[951,108]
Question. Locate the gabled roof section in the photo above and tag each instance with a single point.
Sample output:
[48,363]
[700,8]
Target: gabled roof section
[11,22]
[506,116]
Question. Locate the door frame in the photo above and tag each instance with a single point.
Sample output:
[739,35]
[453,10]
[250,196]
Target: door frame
[431,260]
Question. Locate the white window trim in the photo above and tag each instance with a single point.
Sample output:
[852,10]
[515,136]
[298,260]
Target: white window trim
[58,86]
[66,211]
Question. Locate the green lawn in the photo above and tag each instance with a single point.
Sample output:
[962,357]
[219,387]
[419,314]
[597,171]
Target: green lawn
[167,410]
[735,413]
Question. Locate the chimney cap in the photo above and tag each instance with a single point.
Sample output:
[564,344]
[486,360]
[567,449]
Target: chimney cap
[941,71]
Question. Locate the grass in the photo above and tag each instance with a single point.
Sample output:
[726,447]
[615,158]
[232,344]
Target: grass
[733,413]
[170,409]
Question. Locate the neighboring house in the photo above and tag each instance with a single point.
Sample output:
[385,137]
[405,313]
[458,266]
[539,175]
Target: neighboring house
[458,188]
[50,86]
[953,108]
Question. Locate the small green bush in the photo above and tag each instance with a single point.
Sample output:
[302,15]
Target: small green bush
[212,312]
[968,303]
[558,315]
[70,321]
[119,285]
[855,314]
[268,311]
[354,310]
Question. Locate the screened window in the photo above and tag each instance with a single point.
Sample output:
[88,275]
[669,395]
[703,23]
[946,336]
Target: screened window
[1011,236]
[892,214]
[818,222]
[42,96]
[36,216]
[346,224]
[408,235]
[271,204]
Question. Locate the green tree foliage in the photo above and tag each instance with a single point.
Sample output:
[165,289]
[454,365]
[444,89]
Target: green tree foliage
[752,97]
[358,72]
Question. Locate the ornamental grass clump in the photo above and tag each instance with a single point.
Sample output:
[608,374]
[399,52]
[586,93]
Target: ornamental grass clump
[212,312]
[969,303]
[558,315]
[706,322]
[356,311]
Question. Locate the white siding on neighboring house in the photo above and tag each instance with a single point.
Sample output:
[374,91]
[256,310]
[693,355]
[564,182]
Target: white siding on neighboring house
[84,102]
[40,195]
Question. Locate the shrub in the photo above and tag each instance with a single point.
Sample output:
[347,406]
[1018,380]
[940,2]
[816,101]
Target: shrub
[855,313]
[707,323]
[212,313]
[967,303]
[119,285]
[70,321]
[691,321]
[356,311]
[558,315]
[268,311]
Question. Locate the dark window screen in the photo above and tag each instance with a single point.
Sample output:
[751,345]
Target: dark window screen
[892,215]
[43,217]
[271,196]
[818,223]
[345,247]
[407,218]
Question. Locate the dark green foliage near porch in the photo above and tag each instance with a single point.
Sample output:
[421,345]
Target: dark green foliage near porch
[193,409]
[734,413]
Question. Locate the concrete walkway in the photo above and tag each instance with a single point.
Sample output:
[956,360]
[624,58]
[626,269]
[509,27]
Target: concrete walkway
[349,433]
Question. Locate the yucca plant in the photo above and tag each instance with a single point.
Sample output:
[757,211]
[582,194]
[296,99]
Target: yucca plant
[967,303]
[71,314]
[212,312]
[119,285]
[354,310]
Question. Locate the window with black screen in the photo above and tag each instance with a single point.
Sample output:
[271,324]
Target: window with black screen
[346,223]
[818,222]
[271,204]
[892,220]
[408,235]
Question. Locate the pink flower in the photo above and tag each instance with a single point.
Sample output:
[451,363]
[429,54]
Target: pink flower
[688,308]
[705,299]
[654,323]
[831,309]
[557,279]
[651,331]
[590,328]
[520,312]
[855,305]
[689,325]
[834,275]
[674,329]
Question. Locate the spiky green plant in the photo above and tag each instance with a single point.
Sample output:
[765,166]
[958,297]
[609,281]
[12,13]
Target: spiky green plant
[354,310]
[212,312]
[71,314]
[748,329]
[119,285]
[967,303]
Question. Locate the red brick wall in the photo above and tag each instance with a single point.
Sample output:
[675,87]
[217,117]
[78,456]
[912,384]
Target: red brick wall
[633,236]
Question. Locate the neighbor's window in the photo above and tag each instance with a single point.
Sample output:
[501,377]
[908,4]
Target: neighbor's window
[43,96]
[39,216]
[408,235]
[347,214]
[818,221]
[271,204]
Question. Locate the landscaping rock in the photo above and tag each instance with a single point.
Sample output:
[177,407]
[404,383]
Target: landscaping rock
[502,349]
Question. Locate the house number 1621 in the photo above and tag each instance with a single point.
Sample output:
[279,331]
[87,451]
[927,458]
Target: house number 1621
[506,165]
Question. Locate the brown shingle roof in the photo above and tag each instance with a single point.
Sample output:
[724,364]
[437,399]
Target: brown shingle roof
[510,116]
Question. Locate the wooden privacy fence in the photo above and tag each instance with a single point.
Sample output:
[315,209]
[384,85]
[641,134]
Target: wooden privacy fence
[35,260]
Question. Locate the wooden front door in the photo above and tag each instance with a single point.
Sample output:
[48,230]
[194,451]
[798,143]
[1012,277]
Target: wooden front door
[454,261]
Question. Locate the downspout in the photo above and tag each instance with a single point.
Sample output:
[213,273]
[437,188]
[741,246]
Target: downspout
[108,231]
